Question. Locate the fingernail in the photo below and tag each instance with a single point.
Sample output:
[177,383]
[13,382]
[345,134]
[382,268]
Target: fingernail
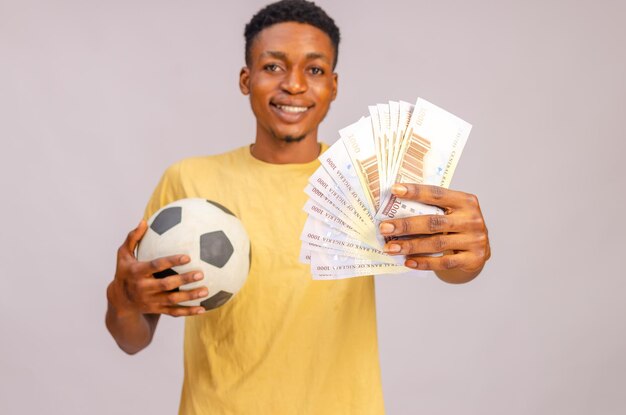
[386,228]
[393,248]
[200,311]
[202,293]
[411,264]
[184,259]
[197,276]
[399,190]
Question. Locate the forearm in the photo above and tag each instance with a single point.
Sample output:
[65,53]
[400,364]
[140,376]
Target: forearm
[132,330]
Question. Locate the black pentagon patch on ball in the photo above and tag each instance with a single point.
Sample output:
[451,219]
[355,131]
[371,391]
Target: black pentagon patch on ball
[221,207]
[166,273]
[216,300]
[166,220]
[215,248]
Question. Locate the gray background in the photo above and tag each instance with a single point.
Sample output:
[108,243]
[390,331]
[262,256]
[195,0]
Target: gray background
[97,98]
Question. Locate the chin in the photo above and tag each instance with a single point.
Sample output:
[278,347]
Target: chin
[291,136]
[293,139]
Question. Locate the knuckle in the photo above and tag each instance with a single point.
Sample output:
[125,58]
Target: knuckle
[437,192]
[476,221]
[163,285]
[154,264]
[482,239]
[422,264]
[484,252]
[171,299]
[436,223]
[478,218]
[439,243]
[134,268]
[405,226]
[472,199]
[195,294]
[448,262]
[409,247]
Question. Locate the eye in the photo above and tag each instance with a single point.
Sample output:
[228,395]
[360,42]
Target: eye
[317,70]
[271,67]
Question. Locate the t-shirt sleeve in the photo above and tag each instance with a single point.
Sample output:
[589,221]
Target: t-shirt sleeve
[167,191]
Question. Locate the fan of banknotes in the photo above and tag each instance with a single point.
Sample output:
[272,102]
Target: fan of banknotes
[350,193]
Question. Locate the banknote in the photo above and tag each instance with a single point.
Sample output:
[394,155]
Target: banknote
[406,109]
[394,117]
[384,119]
[318,233]
[430,153]
[338,164]
[318,212]
[381,156]
[333,201]
[345,266]
[350,193]
[323,181]
[324,200]
[359,141]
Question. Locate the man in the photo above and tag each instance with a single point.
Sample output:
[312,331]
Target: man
[285,344]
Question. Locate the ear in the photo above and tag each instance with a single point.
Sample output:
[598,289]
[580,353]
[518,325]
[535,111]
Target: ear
[244,80]
[335,80]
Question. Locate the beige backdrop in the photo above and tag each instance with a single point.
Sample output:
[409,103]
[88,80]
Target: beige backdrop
[98,97]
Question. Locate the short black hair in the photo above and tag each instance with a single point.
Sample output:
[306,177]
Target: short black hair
[300,11]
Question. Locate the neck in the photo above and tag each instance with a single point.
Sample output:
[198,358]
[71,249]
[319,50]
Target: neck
[276,151]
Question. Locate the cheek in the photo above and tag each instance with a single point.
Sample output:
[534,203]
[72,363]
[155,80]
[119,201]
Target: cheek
[324,93]
[260,88]
[324,96]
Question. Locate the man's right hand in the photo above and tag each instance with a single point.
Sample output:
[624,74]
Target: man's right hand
[136,299]
[135,290]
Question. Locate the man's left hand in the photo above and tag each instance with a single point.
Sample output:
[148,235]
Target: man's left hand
[460,234]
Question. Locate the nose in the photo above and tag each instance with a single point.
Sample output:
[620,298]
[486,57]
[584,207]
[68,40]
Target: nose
[294,82]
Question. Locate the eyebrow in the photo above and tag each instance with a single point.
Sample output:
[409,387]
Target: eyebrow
[282,55]
[317,55]
[274,54]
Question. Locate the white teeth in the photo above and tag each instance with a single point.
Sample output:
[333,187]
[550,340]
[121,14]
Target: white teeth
[288,108]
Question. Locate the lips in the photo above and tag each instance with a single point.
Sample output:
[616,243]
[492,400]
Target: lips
[291,108]
[290,112]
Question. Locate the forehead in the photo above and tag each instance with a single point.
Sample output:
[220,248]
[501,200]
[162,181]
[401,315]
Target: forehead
[293,39]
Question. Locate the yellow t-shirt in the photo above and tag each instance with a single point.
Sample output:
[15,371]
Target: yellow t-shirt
[285,344]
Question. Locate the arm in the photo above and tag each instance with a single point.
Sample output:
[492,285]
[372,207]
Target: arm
[136,299]
[460,234]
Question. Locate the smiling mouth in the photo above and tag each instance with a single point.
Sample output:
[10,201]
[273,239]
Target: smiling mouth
[292,109]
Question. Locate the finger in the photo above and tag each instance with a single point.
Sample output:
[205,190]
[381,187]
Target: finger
[429,244]
[444,262]
[177,297]
[421,225]
[160,264]
[183,311]
[134,237]
[173,282]
[433,195]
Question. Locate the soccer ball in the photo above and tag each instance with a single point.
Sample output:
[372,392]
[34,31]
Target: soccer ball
[213,238]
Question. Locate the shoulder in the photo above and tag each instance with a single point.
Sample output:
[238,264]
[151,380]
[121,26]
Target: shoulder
[201,165]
